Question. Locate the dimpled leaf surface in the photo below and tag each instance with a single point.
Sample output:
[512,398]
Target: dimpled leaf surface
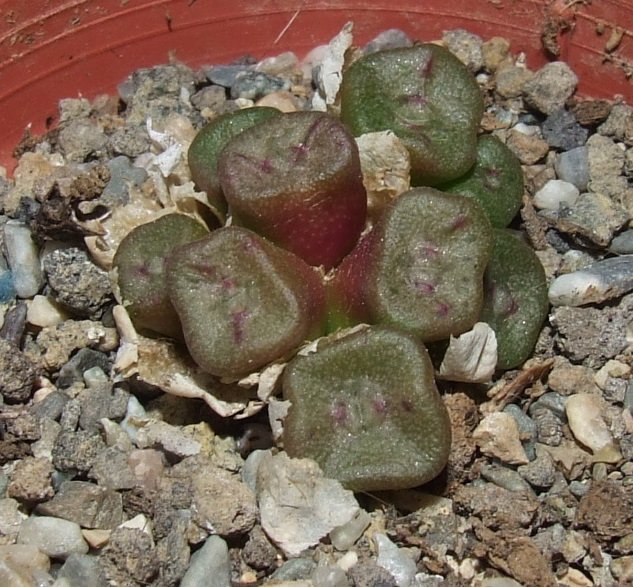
[296,180]
[420,269]
[495,181]
[367,410]
[516,301]
[427,97]
[242,301]
[139,261]
[206,147]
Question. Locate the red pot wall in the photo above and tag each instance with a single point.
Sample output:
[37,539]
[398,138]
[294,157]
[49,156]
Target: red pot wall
[50,49]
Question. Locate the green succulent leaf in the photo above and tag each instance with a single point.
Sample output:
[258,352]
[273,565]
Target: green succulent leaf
[242,301]
[206,147]
[296,180]
[516,303]
[367,410]
[427,97]
[420,269]
[139,261]
[495,181]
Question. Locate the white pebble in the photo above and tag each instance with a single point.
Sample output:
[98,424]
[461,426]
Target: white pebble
[401,566]
[600,281]
[343,537]
[554,193]
[23,259]
[326,575]
[43,311]
[584,413]
[55,537]
[298,505]
[171,439]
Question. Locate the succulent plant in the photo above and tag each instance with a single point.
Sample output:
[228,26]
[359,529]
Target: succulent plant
[427,97]
[420,269]
[296,180]
[516,301]
[495,181]
[140,265]
[242,301]
[206,147]
[363,405]
[366,409]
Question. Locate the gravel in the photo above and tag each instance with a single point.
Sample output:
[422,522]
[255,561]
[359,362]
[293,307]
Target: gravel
[107,480]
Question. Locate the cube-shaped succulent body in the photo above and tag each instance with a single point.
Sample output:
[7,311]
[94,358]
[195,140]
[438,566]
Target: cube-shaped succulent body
[516,302]
[420,269]
[242,301]
[140,265]
[427,97]
[366,408]
[296,180]
[206,147]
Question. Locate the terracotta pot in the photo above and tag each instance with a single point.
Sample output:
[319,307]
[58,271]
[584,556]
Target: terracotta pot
[50,49]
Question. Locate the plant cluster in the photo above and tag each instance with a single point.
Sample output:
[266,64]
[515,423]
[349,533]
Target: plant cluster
[299,261]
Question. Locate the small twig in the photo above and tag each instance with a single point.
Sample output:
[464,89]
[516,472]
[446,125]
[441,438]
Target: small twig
[288,25]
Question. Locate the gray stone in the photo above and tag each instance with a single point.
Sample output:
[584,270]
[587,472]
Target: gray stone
[226,75]
[212,560]
[295,569]
[541,472]
[466,46]
[504,477]
[122,175]
[554,402]
[80,139]
[79,363]
[601,281]
[17,374]
[53,536]
[258,552]
[592,335]
[593,216]
[619,123]
[101,402]
[70,415]
[24,426]
[549,427]
[550,87]
[561,130]
[112,470]
[573,166]
[51,406]
[173,550]
[130,558]
[86,504]
[388,39]
[82,570]
[210,97]
[622,244]
[369,574]
[77,283]
[156,93]
[252,85]
[130,141]
[76,451]
[10,518]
